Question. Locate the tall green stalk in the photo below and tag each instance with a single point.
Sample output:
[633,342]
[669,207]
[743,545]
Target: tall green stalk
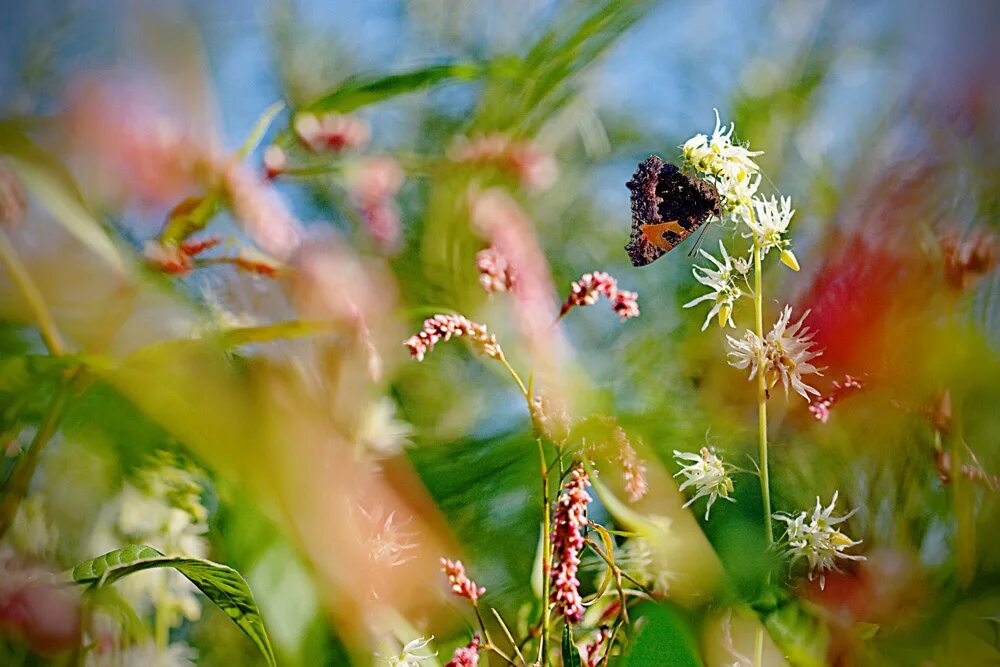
[765,483]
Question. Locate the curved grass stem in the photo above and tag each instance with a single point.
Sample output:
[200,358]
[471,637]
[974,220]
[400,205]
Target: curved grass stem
[32,295]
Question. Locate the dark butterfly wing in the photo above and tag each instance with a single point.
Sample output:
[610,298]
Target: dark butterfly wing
[667,206]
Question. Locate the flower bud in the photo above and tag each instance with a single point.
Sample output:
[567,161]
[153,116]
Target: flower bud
[788,259]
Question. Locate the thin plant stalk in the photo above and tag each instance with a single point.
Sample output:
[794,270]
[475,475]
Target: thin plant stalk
[32,295]
[765,484]
[543,647]
[20,480]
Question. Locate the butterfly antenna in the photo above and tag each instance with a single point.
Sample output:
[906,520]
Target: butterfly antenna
[697,241]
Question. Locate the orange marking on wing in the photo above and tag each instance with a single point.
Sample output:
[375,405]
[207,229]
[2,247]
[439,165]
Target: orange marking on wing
[656,234]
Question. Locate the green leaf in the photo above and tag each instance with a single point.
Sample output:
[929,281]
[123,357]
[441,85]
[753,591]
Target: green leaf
[665,639]
[53,188]
[260,129]
[802,638]
[359,91]
[220,583]
[570,654]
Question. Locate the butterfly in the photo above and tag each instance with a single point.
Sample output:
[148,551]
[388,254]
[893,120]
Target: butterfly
[667,206]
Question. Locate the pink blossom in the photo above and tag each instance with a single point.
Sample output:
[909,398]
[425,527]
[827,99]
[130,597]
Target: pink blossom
[331,131]
[586,290]
[461,585]
[275,161]
[136,140]
[13,201]
[568,521]
[495,274]
[445,327]
[373,183]
[261,211]
[534,167]
[466,656]
[591,652]
[633,468]
[820,408]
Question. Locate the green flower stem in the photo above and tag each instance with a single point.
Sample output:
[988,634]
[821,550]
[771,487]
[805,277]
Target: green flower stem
[20,479]
[758,308]
[31,294]
[543,647]
[765,484]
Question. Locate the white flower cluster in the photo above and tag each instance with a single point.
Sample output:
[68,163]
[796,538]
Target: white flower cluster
[736,176]
[819,541]
[722,280]
[730,166]
[161,508]
[786,353]
[707,473]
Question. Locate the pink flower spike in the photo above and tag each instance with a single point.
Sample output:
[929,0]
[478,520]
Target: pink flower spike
[590,286]
[568,521]
[460,583]
[466,656]
[445,327]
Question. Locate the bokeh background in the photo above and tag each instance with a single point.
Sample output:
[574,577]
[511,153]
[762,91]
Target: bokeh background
[333,471]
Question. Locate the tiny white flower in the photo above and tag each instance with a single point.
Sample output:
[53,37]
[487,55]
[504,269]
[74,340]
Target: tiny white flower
[413,654]
[787,352]
[722,281]
[770,222]
[381,432]
[707,473]
[818,540]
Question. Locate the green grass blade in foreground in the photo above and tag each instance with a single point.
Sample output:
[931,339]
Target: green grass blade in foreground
[220,583]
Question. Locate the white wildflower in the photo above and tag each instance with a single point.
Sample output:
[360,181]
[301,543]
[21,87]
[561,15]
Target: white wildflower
[31,533]
[722,281]
[161,508]
[707,473]
[413,654]
[819,541]
[786,352]
[730,166]
[769,223]
[381,433]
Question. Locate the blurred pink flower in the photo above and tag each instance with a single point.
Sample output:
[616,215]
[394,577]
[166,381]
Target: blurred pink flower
[534,167]
[177,259]
[275,161]
[35,608]
[568,521]
[590,652]
[373,183]
[633,468]
[13,201]
[136,144]
[820,408]
[498,217]
[495,274]
[261,212]
[331,131]
[460,583]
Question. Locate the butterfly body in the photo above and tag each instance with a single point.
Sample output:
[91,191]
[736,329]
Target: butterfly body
[667,207]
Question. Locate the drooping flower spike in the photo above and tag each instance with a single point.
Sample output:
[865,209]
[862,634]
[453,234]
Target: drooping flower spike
[460,583]
[586,290]
[444,328]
